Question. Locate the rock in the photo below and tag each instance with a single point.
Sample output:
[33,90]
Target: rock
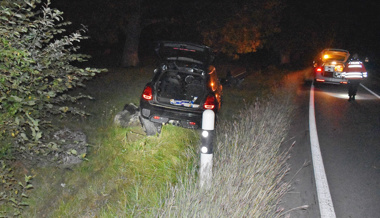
[131,108]
[66,148]
[74,147]
[128,117]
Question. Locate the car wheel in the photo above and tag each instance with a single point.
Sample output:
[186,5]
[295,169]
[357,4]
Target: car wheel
[150,128]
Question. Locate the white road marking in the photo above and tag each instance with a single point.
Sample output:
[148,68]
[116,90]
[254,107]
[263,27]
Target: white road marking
[370,91]
[323,192]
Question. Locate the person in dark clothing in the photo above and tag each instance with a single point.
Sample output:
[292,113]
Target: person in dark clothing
[352,88]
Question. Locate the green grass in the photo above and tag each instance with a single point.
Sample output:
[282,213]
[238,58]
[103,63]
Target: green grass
[126,171]
[120,178]
[131,175]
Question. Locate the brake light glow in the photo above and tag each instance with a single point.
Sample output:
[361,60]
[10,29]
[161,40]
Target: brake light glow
[156,117]
[147,93]
[209,103]
[319,69]
[338,68]
[320,80]
[192,123]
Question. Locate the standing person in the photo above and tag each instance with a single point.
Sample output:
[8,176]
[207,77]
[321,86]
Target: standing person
[353,85]
[354,71]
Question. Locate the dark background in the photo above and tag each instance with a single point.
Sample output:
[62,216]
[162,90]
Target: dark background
[306,26]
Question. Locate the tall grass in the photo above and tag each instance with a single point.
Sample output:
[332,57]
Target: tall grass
[247,169]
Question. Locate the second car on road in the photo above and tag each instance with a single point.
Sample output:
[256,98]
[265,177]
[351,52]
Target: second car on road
[329,65]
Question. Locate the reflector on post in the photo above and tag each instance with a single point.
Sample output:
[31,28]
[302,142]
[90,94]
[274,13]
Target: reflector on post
[208,123]
[208,120]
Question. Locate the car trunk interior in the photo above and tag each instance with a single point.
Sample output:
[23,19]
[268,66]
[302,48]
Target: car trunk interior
[176,88]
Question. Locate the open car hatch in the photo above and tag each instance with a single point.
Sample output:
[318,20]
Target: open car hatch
[168,50]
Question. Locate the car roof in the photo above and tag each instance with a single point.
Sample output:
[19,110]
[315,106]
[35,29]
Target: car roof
[185,51]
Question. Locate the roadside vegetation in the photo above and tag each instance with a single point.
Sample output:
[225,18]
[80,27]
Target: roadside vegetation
[248,166]
[37,69]
[126,173]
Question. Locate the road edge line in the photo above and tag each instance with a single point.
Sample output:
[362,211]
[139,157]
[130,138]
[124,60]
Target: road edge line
[373,93]
[323,192]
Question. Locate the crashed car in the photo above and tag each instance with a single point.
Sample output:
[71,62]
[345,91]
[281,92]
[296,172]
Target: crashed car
[329,65]
[183,86]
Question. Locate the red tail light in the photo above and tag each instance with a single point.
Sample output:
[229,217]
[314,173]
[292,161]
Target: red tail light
[209,103]
[147,93]
[319,69]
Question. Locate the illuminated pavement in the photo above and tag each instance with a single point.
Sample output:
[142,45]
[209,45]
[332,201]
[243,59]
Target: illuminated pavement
[349,138]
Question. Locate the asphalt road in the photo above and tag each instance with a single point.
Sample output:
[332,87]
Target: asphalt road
[349,139]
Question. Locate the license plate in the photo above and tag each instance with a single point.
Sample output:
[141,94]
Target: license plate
[329,69]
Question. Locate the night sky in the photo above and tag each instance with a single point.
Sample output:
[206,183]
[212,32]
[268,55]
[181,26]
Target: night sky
[351,25]
[356,23]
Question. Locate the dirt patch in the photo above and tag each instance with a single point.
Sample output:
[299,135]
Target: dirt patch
[67,148]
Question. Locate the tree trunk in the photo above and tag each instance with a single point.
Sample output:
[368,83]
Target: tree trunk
[131,47]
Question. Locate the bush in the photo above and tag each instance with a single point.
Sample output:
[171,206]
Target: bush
[37,69]
[13,191]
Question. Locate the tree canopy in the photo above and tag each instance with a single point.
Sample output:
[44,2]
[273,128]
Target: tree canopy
[241,27]
[229,27]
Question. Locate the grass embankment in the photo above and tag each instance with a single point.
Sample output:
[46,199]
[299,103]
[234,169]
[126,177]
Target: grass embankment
[126,171]
[144,176]
[248,168]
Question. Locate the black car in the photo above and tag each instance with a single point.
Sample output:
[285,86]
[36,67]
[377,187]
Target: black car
[183,86]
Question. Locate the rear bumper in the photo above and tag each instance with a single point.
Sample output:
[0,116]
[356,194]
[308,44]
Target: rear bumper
[331,79]
[157,114]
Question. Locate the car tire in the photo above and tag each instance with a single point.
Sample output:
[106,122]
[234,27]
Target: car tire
[149,127]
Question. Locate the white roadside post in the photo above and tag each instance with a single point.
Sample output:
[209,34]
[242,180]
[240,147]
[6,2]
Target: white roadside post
[208,123]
